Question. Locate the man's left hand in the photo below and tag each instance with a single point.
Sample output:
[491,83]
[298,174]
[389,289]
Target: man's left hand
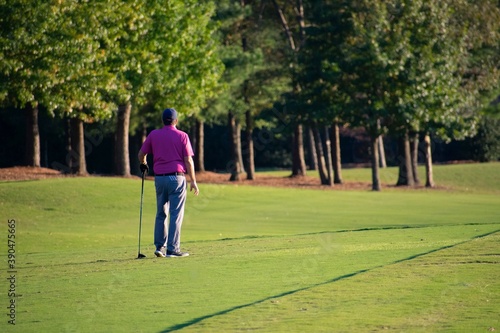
[144,168]
[194,187]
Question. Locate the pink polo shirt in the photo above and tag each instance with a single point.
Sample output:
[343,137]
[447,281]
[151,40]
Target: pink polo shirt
[169,146]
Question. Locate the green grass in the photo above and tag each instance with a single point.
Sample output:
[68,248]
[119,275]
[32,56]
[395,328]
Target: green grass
[262,259]
[478,178]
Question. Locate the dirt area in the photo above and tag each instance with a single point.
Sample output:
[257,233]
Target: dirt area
[261,180]
[31,173]
[27,173]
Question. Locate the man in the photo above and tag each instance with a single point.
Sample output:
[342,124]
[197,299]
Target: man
[172,159]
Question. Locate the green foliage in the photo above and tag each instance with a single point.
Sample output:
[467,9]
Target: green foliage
[406,66]
[86,81]
[51,55]
[89,57]
[250,50]
[414,65]
[26,72]
[477,24]
[485,146]
[480,19]
[187,69]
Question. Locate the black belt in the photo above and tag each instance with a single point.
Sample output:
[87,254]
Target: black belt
[171,174]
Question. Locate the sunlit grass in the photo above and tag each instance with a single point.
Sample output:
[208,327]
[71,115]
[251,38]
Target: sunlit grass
[473,177]
[262,259]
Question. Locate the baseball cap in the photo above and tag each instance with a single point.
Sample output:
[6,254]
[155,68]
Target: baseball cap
[169,115]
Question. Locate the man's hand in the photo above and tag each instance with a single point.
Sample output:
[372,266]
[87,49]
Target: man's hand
[194,187]
[144,168]
[190,170]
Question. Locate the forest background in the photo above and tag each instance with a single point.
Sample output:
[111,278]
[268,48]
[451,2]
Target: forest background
[303,85]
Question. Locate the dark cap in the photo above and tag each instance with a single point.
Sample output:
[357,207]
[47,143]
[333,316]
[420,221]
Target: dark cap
[168,116]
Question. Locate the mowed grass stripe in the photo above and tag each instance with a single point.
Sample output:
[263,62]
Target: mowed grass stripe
[453,288]
[217,277]
[122,253]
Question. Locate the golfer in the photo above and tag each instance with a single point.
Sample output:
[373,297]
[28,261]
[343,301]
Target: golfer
[172,159]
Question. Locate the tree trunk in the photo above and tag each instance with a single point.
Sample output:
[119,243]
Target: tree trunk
[199,157]
[79,164]
[193,138]
[414,158]
[428,162]
[122,159]
[337,162]
[313,156]
[328,157]
[235,166]
[405,177]
[250,158]
[135,145]
[239,149]
[69,147]
[32,157]
[375,165]
[381,152]
[321,157]
[298,160]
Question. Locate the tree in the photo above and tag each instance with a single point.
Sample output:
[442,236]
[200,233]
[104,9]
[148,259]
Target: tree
[336,159]
[295,34]
[28,68]
[476,27]
[80,95]
[400,67]
[320,75]
[199,161]
[250,82]
[51,59]
[238,64]
[163,52]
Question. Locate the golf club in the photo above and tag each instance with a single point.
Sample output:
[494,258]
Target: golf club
[139,254]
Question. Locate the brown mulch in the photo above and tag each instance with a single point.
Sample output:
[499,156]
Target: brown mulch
[32,173]
[28,173]
[265,180]
[207,177]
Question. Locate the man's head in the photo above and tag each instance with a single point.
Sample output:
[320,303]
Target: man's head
[169,116]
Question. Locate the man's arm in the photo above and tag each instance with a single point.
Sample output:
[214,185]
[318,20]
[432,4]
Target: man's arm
[188,160]
[142,159]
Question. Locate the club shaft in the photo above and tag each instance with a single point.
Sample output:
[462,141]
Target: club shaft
[140,215]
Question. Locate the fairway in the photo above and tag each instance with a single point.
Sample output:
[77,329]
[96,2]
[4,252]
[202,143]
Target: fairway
[250,166]
[262,259]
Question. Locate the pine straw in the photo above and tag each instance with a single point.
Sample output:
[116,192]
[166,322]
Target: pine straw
[20,173]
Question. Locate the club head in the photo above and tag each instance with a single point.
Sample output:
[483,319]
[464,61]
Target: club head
[141,256]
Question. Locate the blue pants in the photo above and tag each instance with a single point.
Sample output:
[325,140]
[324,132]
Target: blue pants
[170,200]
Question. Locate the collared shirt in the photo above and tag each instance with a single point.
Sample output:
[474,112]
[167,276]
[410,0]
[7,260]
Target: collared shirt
[169,146]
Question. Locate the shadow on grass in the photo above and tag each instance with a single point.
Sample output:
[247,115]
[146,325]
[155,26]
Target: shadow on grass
[79,263]
[31,265]
[339,278]
[133,257]
[394,227]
